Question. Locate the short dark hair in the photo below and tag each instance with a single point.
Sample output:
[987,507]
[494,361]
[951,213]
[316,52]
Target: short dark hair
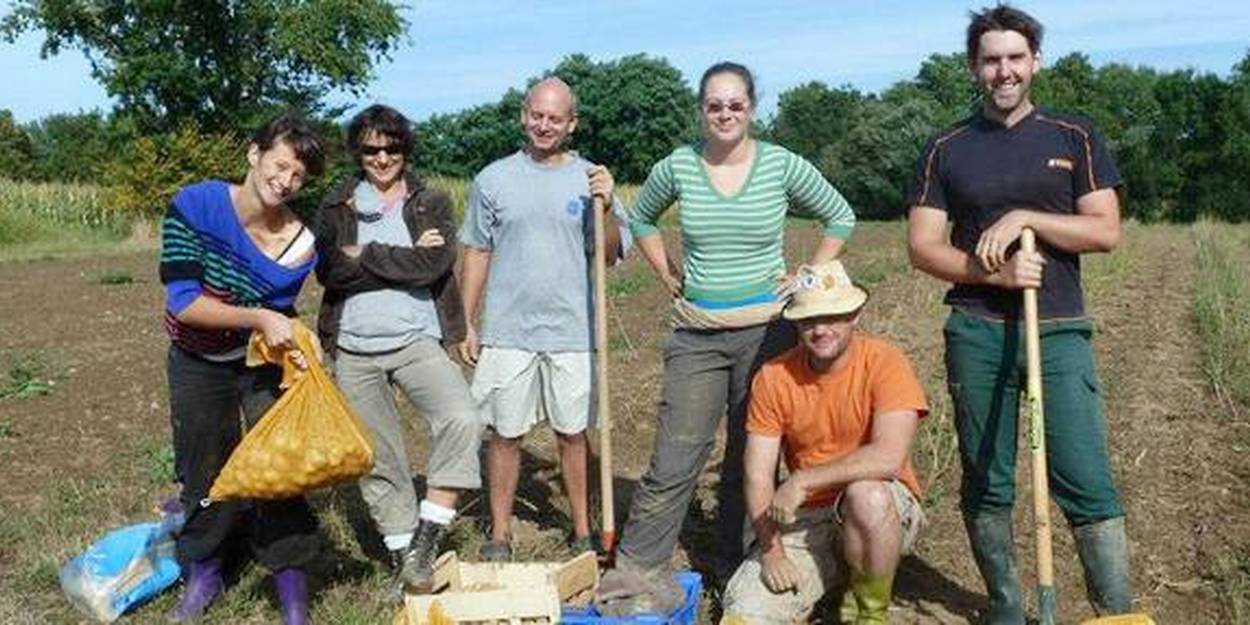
[728,67]
[383,120]
[291,129]
[1002,17]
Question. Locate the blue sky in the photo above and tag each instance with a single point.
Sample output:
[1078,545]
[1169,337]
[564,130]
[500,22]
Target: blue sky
[465,52]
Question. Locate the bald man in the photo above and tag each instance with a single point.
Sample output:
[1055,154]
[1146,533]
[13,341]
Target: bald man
[529,240]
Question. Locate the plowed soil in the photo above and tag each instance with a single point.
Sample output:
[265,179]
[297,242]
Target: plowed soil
[1178,459]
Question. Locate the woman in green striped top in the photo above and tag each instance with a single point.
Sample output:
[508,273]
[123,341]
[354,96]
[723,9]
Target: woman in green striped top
[734,192]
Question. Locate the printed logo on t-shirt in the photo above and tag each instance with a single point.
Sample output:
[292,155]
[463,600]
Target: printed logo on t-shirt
[574,207]
[1060,163]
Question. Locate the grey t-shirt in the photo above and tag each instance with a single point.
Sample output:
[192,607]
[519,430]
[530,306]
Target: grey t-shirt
[535,221]
[386,319]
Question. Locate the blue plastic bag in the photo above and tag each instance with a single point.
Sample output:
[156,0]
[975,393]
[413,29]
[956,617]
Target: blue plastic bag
[123,569]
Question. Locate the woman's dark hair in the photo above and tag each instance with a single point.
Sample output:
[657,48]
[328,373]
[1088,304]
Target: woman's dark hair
[728,67]
[1002,17]
[383,120]
[292,130]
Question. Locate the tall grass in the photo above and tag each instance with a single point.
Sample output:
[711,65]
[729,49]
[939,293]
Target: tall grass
[39,217]
[1222,308]
[1223,314]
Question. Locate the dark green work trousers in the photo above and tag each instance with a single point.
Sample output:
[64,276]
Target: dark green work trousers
[986,372]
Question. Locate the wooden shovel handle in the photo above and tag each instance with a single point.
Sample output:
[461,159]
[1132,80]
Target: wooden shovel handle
[1037,445]
[604,406]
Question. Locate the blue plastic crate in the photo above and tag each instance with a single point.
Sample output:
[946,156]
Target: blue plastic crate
[687,614]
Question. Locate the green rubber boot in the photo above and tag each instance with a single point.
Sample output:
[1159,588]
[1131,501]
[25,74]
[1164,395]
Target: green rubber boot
[1103,548]
[872,598]
[848,610]
[994,551]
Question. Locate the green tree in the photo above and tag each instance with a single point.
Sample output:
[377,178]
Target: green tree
[1124,109]
[73,146]
[874,163]
[1066,85]
[632,111]
[946,79]
[1234,156]
[16,149]
[812,116]
[460,144]
[219,63]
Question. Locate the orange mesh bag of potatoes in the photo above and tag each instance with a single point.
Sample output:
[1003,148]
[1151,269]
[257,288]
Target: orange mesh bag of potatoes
[308,439]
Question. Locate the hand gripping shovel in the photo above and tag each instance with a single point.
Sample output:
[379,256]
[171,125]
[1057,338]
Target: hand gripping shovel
[604,408]
[1037,444]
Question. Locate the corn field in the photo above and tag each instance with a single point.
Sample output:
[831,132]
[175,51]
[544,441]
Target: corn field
[34,212]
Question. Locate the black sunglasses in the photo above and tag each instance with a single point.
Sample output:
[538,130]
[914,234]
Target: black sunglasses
[393,149]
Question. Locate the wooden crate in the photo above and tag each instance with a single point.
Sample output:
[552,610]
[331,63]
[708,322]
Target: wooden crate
[489,593]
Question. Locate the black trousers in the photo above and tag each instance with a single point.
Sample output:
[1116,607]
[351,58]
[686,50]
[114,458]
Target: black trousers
[209,401]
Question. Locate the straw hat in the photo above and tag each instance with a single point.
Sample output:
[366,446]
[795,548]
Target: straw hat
[824,289]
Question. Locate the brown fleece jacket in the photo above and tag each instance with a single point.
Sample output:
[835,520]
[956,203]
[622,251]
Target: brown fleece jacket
[382,266]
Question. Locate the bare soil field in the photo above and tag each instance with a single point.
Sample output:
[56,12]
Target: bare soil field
[92,452]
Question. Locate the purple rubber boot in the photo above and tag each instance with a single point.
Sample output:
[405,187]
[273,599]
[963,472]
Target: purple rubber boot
[292,588]
[203,585]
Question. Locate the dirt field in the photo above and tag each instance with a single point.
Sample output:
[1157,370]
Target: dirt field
[92,453]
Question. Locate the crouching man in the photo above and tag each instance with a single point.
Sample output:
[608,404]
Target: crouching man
[844,406]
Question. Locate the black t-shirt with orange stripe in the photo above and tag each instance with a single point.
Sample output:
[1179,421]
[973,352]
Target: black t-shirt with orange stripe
[979,170]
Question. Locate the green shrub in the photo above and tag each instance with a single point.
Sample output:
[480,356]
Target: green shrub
[142,181]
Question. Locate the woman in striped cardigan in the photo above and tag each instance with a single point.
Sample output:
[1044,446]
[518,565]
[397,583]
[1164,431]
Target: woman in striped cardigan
[233,259]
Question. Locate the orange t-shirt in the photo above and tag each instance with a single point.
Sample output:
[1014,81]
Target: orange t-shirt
[824,416]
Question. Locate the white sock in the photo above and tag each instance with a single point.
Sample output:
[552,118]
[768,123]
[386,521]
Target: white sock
[435,513]
[395,542]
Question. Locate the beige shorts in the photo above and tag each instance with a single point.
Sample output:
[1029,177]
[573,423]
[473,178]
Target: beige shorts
[813,542]
[515,389]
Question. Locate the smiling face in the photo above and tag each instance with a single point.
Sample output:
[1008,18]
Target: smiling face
[381,158]
[726,108]
[1004,68]
[826,337]
[276,174]
[548,118]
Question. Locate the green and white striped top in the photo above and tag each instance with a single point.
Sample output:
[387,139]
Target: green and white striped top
[733,245]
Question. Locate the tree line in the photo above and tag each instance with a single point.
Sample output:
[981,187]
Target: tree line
[1181,138]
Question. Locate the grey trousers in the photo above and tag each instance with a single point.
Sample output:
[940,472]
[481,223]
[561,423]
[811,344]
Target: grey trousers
[435,386]
[706,374]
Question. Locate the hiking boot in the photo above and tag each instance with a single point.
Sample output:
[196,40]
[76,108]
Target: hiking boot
[395,587]
[994,551]
[417,572]
[1104,556]
[495,551]
[292,587]
[629,591]
[204,585]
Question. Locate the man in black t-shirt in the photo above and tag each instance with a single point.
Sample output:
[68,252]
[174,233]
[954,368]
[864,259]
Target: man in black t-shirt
[1008,167]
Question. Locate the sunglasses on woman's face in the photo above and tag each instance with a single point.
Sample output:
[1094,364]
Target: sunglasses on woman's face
[712,107]
[393,149]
